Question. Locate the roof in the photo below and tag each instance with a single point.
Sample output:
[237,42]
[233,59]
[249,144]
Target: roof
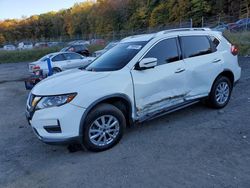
[147,37]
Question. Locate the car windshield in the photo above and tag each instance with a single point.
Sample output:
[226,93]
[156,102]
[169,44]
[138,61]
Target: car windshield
[117,57]
[64,49]
[45,57]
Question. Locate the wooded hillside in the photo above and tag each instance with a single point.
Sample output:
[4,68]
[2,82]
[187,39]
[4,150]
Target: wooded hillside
[105,16]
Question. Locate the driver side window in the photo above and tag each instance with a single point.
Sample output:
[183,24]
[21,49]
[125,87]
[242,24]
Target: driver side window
[165,51]
[59,57]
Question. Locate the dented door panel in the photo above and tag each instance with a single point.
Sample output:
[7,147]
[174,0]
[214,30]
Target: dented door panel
[160,87]
[201,72]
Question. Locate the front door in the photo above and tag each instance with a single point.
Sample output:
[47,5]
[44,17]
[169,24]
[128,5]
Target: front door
[164,85]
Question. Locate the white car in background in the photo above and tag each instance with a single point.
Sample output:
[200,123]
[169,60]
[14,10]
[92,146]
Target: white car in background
[9,47]
[79,42]
[60,61]
[25,46]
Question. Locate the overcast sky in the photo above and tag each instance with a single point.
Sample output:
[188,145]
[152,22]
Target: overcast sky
[19,8]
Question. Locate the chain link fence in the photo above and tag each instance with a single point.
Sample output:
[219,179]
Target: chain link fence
[226,24]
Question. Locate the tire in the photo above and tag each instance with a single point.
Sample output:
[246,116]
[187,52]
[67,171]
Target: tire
[219,99]
[56,70]
[93,127]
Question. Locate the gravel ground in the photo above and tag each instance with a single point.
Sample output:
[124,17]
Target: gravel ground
[194,147]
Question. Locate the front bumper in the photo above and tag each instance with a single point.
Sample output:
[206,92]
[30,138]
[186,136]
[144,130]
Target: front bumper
[57,141]
[57,125]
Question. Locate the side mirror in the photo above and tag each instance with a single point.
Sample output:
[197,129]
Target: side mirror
[147,63]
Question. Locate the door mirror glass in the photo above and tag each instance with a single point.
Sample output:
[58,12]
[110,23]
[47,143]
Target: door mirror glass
[147,63]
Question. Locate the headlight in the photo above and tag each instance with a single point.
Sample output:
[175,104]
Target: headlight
[52,101]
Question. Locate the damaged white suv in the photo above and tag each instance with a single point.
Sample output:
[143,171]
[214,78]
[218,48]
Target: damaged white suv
[143,77]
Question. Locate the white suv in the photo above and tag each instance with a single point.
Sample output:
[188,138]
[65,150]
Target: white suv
[143,77]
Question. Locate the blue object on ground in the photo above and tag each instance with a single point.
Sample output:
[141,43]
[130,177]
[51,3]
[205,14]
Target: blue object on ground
[49,67]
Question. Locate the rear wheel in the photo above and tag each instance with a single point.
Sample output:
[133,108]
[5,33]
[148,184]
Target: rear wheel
[220,93]
[103,128]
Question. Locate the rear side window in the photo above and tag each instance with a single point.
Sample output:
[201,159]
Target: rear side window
[59,57]
[195,46]
[70,56]
[165,51]
[215,42]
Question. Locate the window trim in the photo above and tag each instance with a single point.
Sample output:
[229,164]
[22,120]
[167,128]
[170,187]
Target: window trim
[208,38]
[154,44]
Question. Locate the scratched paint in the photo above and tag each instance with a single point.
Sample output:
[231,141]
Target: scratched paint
[161,104]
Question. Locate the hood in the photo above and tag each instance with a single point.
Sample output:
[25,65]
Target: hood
[67,82]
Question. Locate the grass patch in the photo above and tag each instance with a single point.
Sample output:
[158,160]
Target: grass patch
[93,48]
[242,40]
[34,54]
[24,55]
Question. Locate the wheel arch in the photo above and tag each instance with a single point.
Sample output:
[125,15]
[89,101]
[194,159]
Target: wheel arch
[56,67]
[121,101]
[227,73]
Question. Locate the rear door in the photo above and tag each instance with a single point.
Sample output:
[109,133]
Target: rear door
[164,85]
[59,61]
[203,63]
[74,60]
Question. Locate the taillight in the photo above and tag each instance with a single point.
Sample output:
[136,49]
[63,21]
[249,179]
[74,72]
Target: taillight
[234,50]
[36,67]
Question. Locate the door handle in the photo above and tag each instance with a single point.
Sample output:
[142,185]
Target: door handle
[179,70]
[216,60]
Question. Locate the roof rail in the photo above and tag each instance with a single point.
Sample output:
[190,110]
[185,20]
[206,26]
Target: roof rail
[184,29]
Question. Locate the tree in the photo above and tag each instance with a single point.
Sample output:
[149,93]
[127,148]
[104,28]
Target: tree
[159,15]
[139,19]
[199,8]
[2,39]
[103,17]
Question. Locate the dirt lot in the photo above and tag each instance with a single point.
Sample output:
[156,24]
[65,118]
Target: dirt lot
[194,147]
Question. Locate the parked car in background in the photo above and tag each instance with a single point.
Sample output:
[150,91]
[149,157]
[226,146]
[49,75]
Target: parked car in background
[25,45]
[241,25]
[97,41]
[80,49]
[60,61]
[51,44]
[41,45]
[108,47]
[79,42]
[9,47]
[220,27]
[140,78]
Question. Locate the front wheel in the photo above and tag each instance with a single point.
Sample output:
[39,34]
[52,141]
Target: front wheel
[103,128]
[220,93]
